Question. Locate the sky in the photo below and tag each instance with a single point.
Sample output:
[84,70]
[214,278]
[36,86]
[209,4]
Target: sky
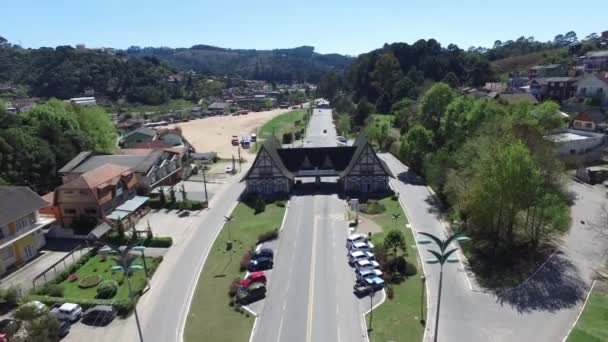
[331,26]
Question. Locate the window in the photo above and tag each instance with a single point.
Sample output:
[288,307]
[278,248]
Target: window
[84,193]
[583,91]
[22,224]
[68,192]
[588,125]
[69,211]
[91,211]
[572,151]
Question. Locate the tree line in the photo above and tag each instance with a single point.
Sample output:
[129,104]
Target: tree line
[36,143]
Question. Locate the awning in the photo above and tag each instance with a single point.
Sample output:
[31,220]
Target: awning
[133,204]
[99,231]
[118,215]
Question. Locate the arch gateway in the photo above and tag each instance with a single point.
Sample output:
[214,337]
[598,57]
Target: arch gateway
[357,168]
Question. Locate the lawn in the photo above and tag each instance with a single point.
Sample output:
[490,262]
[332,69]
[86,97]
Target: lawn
[210,317]
[593,324]
[398,319]
[284,123]
[97,266]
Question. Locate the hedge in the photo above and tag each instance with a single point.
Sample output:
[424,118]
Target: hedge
[160,241]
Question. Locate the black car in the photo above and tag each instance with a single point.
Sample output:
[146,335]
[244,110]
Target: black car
[263,253]
[254,292]
[260,264]
[99,315]
[64,328]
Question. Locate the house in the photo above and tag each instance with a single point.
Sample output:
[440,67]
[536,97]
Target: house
[551,70]
[219,108]
[517,82]
[153,166]
[595,86]
[560,88]
[141,134]
[173,137]
[576,147]
[588,121]
[94,194]
[517,97]
[83,101]
[276,170]
[594,61]
[21,226]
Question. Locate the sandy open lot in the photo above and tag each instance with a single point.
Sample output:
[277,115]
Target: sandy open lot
[213,134]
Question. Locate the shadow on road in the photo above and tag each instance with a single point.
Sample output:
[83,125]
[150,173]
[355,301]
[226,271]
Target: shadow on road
[556,286]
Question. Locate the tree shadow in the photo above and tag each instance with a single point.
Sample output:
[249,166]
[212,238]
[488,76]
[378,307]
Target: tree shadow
[555,287]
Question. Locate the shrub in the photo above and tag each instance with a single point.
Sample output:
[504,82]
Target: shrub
[234,286]
[389,292]
[281,204]
[245,261]
[11,295]
[107,289]
[53,290]
[394,198]
[159,241]
[198,205]
[410,269]
[268,236]
[259,205]
[89,281]
[373,208]
[287,138]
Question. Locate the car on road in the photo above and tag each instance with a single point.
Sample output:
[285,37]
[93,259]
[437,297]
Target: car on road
[362,246]
[228,169]
[361,289]
[342,139]
[260,264]
[355,256]
[365,263]
[255,292]
[66,312]
[254,277]
[99,315]
[367,272]
[263,252]
[355,238]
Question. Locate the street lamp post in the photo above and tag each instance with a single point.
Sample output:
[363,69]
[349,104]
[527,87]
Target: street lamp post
[205,185]
[371,310]
[228,220]
[422,318]
[395,218]
[441,258]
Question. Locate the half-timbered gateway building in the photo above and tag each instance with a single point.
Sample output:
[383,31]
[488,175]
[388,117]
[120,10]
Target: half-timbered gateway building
[358,168]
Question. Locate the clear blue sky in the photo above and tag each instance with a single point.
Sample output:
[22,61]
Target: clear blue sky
[348,27]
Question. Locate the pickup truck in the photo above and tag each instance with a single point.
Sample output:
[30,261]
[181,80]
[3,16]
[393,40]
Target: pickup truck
[66,312]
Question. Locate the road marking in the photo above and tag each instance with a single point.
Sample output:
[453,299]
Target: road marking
[311,286]
[280,330]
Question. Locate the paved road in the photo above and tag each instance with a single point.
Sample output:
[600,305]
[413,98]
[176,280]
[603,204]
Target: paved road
[310,295]
[543,309]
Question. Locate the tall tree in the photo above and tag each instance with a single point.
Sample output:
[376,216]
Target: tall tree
[433,105]
[387,72]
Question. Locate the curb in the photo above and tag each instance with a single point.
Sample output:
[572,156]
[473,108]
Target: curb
[374,307]
[580,313]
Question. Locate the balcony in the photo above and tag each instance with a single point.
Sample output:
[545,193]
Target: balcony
[41,222]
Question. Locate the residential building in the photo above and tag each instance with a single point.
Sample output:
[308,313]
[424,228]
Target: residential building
[594,85]
[594,61]
[588,121]
[577,147]
[95,193]
[276,170]
[555,88]
[153,166]
[141,134]
[552,70]
[21,226]
[83,101]
[219,108]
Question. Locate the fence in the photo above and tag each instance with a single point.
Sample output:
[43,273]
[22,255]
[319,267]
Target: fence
[61,265]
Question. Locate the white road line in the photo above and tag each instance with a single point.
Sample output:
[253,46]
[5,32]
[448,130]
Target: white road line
[580,313]
[311,286]
[280,330]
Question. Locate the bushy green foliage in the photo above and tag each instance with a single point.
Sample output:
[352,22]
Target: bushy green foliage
[107,289]
[89,281]
[259,205]
[268,236]
[51,289]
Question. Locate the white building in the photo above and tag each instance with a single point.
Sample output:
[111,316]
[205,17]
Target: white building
[575,147]
[594,85]
[84,101]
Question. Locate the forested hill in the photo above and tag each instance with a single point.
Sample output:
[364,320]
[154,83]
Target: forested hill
[297,64]
[64,72]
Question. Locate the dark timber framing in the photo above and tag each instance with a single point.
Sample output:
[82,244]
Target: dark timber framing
[358,168]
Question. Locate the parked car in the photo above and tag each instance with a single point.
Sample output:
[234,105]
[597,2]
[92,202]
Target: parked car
[366,263]
[99,315]
[361,289]
[376,283]
[235,140]
[342,139]
[255,277]
[246,295]
[367,272]
[355,238]
[355,256]
[228,169]
[260,264]
[66,312]
[64,328]
[362,246]
[263,252]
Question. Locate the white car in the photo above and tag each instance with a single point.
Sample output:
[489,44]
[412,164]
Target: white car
[362,246]
[67,312]
[228,169]
[355,256]
[368,272]
[366,263]
[355,238]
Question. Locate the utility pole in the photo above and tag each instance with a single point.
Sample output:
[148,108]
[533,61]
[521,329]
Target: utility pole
[205,185]
[233,165]
[240,163]
[371,310]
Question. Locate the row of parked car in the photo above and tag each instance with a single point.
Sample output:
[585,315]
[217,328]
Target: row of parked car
[367,269]
[253,287]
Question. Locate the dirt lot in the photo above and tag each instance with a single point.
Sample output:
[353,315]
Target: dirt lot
[214,133]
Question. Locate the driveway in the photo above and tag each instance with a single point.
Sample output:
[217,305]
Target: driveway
[542,309]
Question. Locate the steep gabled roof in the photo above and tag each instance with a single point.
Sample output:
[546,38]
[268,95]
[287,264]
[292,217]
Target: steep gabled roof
[270,147]
[17,202]
[72,164]
[142,130]
[361,144]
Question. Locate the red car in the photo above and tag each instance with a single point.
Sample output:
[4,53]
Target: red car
[254,277]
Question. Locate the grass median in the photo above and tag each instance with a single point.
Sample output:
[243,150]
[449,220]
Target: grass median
[398,319]
[593,326]
[285,123]
[210,317]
